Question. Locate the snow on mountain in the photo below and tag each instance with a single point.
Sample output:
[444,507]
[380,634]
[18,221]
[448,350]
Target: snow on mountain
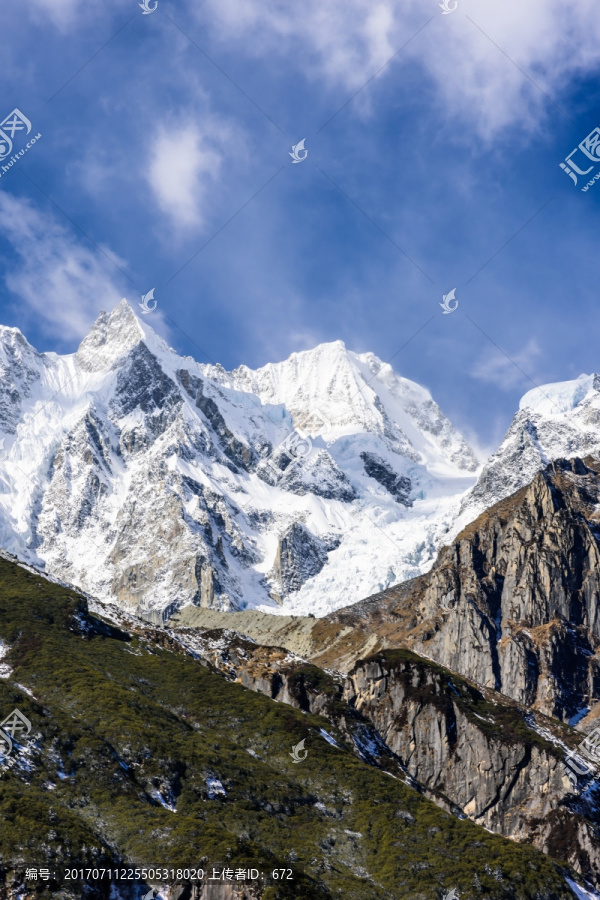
[554,421]
[148,479]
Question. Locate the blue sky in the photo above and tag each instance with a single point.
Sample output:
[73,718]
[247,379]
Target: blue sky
[164,163]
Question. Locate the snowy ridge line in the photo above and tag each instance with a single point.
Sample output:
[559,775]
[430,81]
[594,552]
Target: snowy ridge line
[150,480]
[153,482]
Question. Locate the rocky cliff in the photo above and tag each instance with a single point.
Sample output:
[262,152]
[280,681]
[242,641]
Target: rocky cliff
[470,751]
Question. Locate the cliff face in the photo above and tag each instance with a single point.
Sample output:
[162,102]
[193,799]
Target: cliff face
[513,604]
[489,758]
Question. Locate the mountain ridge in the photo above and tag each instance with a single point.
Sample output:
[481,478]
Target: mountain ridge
[97,442]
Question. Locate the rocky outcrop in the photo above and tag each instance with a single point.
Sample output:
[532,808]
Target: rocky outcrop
[489,758]
[513,603]
[299,556]
[397,485]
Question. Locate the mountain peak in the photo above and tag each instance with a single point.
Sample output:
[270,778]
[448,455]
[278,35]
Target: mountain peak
[561,396]
[111,336]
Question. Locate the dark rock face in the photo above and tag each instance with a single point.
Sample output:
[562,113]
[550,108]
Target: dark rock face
[18,373]
[512,604]
[234,449]
[143,384]
[299,556]
[318,475]
[397,485]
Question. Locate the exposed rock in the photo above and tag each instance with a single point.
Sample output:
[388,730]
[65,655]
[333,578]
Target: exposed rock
[299,556]
[398,485]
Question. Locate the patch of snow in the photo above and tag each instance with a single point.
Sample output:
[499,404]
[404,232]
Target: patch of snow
[328,738]
[25,689]
[5,669]
[156,795]
[215,787]
[582,893]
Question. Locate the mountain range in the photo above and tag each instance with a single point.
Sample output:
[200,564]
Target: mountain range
[152,480]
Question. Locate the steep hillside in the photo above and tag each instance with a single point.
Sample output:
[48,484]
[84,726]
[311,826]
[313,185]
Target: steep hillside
[140,756]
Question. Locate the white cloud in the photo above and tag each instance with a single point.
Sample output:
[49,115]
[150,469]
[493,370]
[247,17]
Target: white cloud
[63,14]
[346,41]
[63,283]
[183,164]
[508,373]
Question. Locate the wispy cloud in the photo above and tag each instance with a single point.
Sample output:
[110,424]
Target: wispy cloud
[497,369]
[184,162]
[62,283]
[472,57]
[65,14]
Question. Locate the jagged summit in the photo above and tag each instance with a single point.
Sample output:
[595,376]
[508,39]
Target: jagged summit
[111,337]
[146,477]
[334,392]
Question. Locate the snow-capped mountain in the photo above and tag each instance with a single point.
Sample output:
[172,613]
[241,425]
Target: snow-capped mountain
[553,421]
[147,478]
